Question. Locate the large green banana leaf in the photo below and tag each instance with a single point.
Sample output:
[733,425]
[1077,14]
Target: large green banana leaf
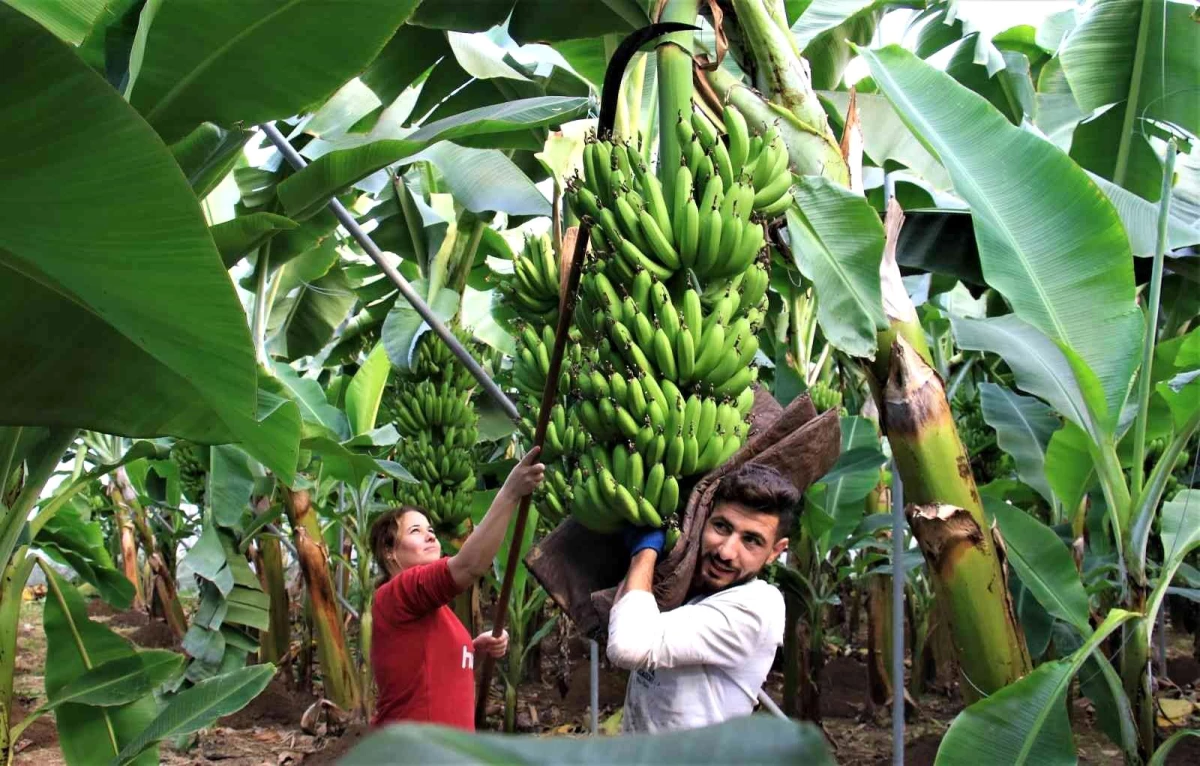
[837,241]
[68,539]
[246,61]
[199,706]
[1025,722]
[1024,427]
[752,739]
[1140,56]
[1044,565]
[69,21]
[1049,240]
[75,645]
[1040,366]
[306,191]
[109,281]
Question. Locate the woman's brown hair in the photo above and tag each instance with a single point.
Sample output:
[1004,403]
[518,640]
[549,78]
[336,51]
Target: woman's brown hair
[383,536]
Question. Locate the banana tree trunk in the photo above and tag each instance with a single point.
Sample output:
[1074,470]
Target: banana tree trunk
[16,574]
[128,542]
[1135,671]
[946,517]
[167,596]
[791,653]
[945,512]
[273,643]
[880,631]
[337,669]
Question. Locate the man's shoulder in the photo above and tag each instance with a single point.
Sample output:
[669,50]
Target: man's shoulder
[756,594]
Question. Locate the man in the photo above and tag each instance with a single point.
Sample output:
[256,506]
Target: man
[704,662]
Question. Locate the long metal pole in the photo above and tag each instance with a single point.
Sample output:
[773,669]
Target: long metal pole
[897,618]
[364,240]
[594,681]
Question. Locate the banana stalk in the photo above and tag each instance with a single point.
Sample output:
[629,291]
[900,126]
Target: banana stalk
[810,152]
[784,76]
[16,574]
[337,669]
[947,519]
[674,89]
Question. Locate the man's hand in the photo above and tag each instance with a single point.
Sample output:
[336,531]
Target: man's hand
[497,647]
[644,538]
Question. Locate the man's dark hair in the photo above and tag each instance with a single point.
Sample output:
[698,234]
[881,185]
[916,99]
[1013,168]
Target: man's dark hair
[762,489]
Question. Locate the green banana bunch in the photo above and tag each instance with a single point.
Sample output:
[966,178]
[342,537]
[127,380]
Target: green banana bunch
[707,226]
[449,510]
[192,460]
[531,361]
[430,405]
[565,435]
[532,289]
[555,496]
[434,360]
[439,464]
[825,396]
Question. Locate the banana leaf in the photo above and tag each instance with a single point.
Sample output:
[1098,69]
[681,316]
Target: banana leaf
[1061,257]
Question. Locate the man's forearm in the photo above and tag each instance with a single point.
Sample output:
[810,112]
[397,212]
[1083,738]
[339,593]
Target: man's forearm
[641,572]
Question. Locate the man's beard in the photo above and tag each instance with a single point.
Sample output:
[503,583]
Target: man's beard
[702,585]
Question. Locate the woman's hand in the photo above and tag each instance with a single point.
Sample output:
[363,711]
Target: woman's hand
[496,647]
[525,476]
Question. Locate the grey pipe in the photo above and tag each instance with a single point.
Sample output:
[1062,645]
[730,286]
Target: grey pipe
[594,680]
[897,617]
[770,705]
[347,221]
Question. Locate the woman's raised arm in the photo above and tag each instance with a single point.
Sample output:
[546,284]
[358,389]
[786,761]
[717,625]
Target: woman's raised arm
[474,559]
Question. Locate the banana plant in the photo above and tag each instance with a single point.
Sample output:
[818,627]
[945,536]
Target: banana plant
[832,528]
[1080,363]
[103,690]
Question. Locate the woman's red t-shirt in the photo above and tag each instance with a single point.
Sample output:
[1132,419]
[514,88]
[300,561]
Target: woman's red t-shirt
[423,658]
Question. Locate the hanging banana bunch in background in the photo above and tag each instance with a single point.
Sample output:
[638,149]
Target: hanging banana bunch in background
[430,405]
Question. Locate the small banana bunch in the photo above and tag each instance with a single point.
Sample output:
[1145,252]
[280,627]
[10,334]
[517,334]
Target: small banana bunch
[712,349]
[565,435]
[432,406]
[825,396]
[533,287]
[531,362]
[435,361]
[707,225]
[556,494]
[192,460]
[448,509]
[439,464]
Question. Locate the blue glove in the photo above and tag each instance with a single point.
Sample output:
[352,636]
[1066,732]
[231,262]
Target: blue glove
[641,538]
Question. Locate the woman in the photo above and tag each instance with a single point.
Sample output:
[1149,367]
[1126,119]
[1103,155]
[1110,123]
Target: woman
[423,658]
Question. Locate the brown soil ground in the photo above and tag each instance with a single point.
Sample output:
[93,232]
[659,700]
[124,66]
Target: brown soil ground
[267,731]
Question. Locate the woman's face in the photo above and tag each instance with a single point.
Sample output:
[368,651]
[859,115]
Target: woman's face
[416,544]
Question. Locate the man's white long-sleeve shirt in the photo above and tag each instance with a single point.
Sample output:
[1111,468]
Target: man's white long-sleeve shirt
[699,664]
